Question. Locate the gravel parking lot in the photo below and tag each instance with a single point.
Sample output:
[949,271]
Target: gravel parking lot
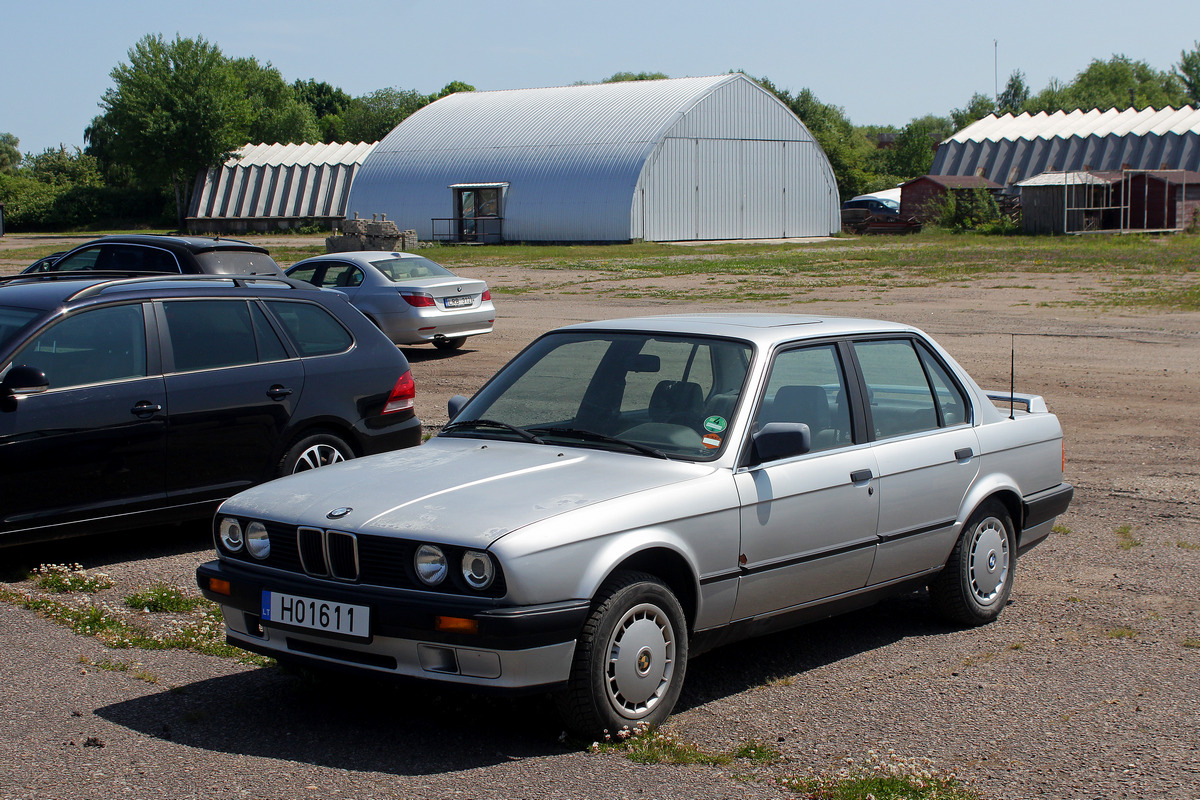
[1086,687]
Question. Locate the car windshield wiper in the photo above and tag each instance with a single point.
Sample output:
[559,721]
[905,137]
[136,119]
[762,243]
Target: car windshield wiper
[591,436]
[471,424]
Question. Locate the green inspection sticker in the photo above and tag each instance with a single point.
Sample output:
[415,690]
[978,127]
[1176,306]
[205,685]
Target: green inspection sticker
[715,424]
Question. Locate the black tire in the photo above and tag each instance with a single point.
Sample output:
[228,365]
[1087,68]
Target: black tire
[630,659]
[312,451]
[977,581]
[449,343]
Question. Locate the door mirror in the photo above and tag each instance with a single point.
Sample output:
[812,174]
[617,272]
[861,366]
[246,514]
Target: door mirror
[777,440]
[24,380]
[455,405]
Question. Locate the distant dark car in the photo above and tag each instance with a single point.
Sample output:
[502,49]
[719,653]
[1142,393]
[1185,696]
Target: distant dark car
[188,255]
[126,402]
[874,205]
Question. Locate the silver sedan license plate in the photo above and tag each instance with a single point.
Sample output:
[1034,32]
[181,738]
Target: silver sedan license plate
[317,615]
[459,302]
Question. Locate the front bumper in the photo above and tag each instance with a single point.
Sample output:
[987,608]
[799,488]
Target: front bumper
[515,648]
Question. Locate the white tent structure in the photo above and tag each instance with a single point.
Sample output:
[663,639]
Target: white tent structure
[1010,149]
[269,186]
[667,160]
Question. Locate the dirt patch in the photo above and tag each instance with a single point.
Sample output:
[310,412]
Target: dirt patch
[1085,687]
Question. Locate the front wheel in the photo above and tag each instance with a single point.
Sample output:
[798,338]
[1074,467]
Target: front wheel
[313,451]
[978,578]
[630,659]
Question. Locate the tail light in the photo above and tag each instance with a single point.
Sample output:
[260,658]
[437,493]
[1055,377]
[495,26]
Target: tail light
[401,398]
[418,299]
[487,295]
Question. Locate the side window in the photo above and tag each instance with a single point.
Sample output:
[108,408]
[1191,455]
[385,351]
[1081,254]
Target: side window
[210,333]
[951,402]
[306,274]
[136,258]
[96,346]
[899,393]
[808,385]
[313,330]
[270,348]
[82,259]
[341,275]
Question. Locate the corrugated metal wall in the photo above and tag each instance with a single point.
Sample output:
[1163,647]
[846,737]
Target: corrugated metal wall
[1010,149]
[274,184]
[690,158]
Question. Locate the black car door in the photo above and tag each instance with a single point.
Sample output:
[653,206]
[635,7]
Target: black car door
[232,388]
[93,444]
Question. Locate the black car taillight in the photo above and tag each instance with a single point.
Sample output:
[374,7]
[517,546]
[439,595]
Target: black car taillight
[401,398]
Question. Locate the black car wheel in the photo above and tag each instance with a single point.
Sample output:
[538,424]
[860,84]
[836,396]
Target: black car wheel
[977,581]
[449,343]
[312,451]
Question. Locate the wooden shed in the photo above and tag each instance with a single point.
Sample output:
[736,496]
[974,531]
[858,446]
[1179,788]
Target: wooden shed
[1113,200]
[920,196]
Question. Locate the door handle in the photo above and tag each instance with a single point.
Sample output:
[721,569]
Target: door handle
[963,453]
[145,407]
[858,476]
[278,392]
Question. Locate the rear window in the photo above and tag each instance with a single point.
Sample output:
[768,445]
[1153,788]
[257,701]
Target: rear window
[406,269]
[313,330]
[237,262]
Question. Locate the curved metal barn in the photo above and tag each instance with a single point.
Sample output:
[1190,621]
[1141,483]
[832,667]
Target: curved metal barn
[668,160]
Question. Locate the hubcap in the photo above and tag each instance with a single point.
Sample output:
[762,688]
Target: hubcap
[641,660]
[319,455]
[988,565]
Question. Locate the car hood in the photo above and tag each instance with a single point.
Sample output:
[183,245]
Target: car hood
[466,492]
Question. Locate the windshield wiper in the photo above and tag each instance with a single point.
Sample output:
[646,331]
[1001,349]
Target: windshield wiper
[471,424]
[592,436]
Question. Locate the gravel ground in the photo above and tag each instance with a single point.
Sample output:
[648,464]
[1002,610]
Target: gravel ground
[1086,687]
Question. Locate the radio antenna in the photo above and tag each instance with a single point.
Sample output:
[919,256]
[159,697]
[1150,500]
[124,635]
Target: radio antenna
[1012,376]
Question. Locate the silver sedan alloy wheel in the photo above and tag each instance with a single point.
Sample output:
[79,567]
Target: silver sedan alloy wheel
[988,561]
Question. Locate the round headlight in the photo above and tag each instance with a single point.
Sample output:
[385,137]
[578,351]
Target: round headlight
[230,533]
[258,544]
[477,569]
[430,563]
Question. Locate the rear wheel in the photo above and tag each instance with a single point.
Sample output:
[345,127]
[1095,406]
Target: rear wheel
[313,451]
[630,659]
[978,578]
[449,343]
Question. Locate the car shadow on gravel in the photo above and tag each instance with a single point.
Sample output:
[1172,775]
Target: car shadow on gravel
[418,355]
[343,722]
[412,728]
[97,551]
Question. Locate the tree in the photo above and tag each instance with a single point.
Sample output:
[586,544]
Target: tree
[978,107]
[61,168]
[1119,82]
[278,115]
[371,117]
[1188,73]
[177,107]
[623,77]
[10,153]
[912,153]
[1015,95]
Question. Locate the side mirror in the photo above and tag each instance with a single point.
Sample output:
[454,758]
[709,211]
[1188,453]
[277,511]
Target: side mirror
[455,405]
[777,440]
[22,379]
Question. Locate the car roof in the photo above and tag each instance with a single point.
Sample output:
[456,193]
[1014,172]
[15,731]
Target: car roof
[52,290]
[762,329]
[358,255]
[193,244]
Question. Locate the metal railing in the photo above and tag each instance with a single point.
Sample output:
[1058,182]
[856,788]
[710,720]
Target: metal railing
[483,230]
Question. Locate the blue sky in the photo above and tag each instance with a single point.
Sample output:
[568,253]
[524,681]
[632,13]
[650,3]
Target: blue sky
[883,62]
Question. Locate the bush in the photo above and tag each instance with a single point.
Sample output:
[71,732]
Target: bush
[34,205]
[971,210]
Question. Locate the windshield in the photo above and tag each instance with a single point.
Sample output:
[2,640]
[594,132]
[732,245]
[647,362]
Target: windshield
[405,269]
[13,321]
[647,393]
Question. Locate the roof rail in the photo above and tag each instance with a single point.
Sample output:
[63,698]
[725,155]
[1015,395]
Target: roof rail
[70,275]
[238,281]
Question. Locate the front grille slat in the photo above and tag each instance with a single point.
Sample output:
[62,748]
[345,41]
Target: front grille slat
[343,555]
[311,542]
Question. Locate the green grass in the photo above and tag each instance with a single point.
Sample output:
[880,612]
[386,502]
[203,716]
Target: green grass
[881,778]
[646,745]
[1125,538]
[162,597]
[1121,632]
[63,578]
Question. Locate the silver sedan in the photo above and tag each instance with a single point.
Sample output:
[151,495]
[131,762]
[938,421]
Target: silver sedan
[412,299]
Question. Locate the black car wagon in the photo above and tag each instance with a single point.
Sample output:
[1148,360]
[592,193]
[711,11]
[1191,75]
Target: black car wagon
[129,401]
